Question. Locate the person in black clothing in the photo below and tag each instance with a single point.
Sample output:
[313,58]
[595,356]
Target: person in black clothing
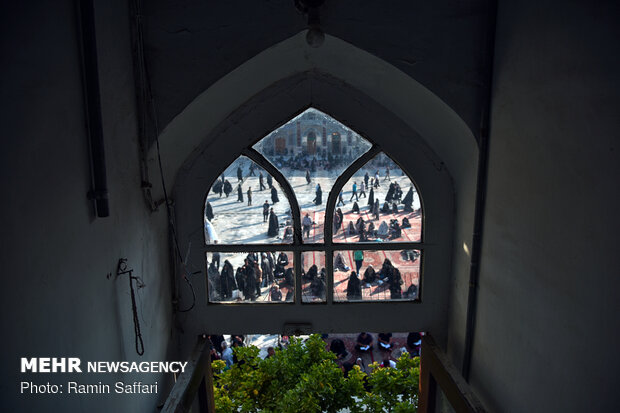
[281,263]
[394,208]
[260,181]
[414,342]
[338,348]
[269,181]
[215,259]
[217,187]
[239,174]
[250,286]
[371,198]
[364,342]
[366,178]
[354,287]
[318,199]
[375,209]
[227,188]
[289,279]
[274,195]
[408,200]
[385,341]
[227,281]
[275,293]
[369,275]
[317,287]
[395,282]
[356,208]
[312,273]
[308,180]
[240,277]
[274,227]
[265,211]
[249,194]
[239,193]
[209,212]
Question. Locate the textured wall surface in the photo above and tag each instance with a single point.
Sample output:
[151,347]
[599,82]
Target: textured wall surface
[547,325]
[56,299]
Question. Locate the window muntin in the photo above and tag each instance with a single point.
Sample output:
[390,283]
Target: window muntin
[323,149]
[234,220]
[286,170]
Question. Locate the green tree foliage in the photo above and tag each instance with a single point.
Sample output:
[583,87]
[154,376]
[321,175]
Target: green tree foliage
[305,378]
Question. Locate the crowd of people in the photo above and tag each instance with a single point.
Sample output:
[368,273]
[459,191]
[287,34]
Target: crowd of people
[387,276]
[339,345]
[248,281]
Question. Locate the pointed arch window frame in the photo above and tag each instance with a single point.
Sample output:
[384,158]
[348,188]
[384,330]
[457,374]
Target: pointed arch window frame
[328,246]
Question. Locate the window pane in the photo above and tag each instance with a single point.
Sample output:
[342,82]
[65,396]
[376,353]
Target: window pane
[313,277]
[395,213]
[312,150]
[239,207]
[385,275]
[250,277]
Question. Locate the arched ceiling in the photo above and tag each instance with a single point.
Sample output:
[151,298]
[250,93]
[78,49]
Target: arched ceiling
[189,45]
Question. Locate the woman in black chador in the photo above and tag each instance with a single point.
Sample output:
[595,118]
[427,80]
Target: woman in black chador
[371,198]
[274,227]
[227,188]
[227,280]
[239,193]
[274,195]
[249,290]
[318,199]
[269,181]
[354,287]
[408,200]
[239,174]
[209,212]
[390,194]
[217,187]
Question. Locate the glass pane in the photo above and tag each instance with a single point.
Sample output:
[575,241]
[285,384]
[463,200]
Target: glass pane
[312,150]
[256,277]
[385,275]
[247,206]
[313,277]
[378,204]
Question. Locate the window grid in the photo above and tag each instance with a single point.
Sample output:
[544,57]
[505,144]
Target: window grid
[327,246]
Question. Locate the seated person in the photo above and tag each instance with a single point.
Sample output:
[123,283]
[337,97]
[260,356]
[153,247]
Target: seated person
[394,231]
[411,292]
[338,348]
[339,264]
[383,230]
[405,223]
[371,232]
[288,233]
[354,287]
[281,263]
[317,287]
[385,208]
[356,208]
[387,362]
[311,274]
[414,342]
[385,341]
[370,276]
[289,278]
[275,293]
[364,342]
[351,229]
[394,208]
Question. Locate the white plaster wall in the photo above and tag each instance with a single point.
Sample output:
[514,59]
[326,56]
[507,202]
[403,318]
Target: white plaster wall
[56,299]
[547,328]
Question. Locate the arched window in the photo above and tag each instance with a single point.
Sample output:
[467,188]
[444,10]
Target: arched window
[327,221]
